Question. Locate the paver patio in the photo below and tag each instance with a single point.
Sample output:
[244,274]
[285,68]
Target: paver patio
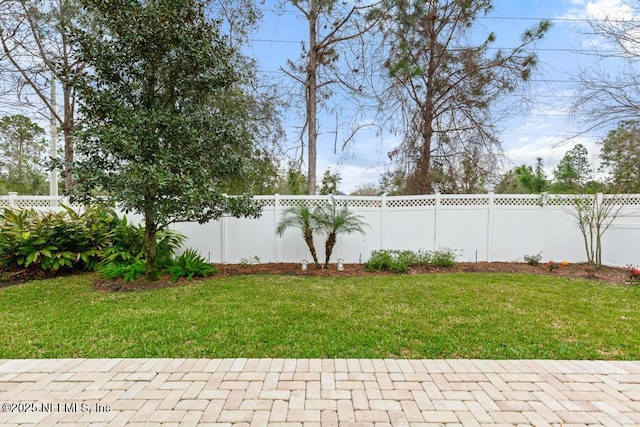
[318,392]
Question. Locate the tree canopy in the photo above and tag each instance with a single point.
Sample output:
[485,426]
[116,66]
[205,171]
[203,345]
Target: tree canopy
[21,148]
[621,157]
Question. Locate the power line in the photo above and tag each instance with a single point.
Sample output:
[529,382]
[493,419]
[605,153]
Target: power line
[505,18]
[542,49]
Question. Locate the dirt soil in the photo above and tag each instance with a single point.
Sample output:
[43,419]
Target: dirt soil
[581,271]
[604,274]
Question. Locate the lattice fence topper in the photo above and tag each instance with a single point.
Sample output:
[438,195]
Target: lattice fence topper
[464,201]
[528,200]
[373,202]
[410,203]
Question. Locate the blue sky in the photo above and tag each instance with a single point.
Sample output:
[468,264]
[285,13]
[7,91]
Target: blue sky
[543,130]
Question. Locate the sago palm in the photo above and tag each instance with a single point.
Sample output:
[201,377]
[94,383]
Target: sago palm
[334,221]
[300,217]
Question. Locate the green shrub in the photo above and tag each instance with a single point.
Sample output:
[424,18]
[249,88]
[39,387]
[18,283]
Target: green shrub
[125,244]
[53,240]
[67,239]
[533,259]
[190,264]
[386,260]
[127,271]
[443,258]
[399,261]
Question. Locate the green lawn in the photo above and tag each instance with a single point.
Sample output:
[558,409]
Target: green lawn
[495,316]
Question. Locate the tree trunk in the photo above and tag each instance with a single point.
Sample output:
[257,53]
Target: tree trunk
[308,238]
[328,248]
[67,129]
[150,250]
[312,127]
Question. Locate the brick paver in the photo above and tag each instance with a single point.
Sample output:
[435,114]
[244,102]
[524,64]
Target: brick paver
[318,392]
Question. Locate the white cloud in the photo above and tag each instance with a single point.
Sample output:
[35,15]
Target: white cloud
[599,9]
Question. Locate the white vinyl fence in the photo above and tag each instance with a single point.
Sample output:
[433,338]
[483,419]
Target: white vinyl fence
[488,227]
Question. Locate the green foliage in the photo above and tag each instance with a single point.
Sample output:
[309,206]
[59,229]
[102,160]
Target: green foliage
[327,219]
[393,182]
[398,261]
[127,271]
[573,171]
[93,238]
[165,121]
[21,148]
[51,241]
[330,182]
[367,190]
[125,244]
[533,259]
[621,156]
[190,264]
[443,258]
[386,260]
[444,83]
[333,221]
[302,218]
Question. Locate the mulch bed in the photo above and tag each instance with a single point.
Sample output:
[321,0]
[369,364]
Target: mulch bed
[580,271]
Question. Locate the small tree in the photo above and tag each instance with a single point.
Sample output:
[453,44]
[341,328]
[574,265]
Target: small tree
[330,182]
[164,125]
[594,215]
[300,217]
[334,221]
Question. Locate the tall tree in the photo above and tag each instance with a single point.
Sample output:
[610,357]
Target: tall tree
[333,25]
[164,120]
[36,54]
[443,85]
[21,148]
[621,156]
[573,171]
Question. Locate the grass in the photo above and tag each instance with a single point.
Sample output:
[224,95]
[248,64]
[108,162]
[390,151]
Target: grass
[497,316]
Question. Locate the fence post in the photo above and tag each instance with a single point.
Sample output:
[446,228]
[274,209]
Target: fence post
[436,224]
[12,199]
[383,221]
[276,215]
[545,223]
[490,227]
[223,238]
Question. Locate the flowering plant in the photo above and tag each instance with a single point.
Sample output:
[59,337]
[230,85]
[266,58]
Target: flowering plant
[552,265]
[634,273]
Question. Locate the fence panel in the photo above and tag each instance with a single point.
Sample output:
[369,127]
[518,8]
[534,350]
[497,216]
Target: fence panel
[477,227]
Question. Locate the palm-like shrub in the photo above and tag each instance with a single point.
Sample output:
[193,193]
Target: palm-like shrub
[333,221]
[300,217]
[190,264]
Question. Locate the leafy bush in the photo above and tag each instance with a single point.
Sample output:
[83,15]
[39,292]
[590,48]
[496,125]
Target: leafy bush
[444,258]
[53,240]
[67,239]
[399,261]
[533,259]
[125,244]
[190,264]
[386,260]
[127,271]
